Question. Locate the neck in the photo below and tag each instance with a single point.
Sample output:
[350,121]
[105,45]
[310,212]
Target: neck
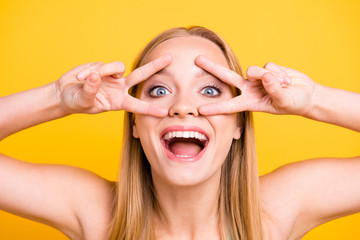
[188,212]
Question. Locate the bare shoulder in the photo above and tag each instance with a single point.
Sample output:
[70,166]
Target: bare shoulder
[73,200]
[93,199]
[300,196]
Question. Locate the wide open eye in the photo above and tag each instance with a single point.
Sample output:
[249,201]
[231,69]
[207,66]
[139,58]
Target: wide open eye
[210,91]
[158,91]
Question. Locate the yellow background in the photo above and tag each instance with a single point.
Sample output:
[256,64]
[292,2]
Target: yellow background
[41,40]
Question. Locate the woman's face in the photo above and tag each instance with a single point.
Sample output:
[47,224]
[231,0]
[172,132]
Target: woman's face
[185,148]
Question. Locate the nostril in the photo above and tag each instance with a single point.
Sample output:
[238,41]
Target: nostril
[183,108]
[182,115]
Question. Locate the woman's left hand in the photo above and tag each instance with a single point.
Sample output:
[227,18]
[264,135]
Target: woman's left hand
[273,89]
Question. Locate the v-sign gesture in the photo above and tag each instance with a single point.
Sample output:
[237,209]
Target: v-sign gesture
[273,89]
[98,87]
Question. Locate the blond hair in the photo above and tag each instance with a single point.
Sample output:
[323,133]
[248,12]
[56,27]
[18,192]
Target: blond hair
[135,199]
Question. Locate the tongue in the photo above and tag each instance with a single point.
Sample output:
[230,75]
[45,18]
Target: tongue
[184,148]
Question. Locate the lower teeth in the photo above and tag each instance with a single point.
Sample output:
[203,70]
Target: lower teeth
[184,156]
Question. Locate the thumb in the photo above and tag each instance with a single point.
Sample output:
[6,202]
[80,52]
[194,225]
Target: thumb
[273,87]
[91,87]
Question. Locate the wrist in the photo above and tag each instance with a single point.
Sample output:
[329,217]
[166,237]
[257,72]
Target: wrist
[326,104]
[336,106]
[54,95]
[314,104]
[315,107]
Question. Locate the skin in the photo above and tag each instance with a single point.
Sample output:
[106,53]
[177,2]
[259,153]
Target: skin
[294,198]
[187,192]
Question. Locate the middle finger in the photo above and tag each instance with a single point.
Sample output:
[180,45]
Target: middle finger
[224,74]
[144,72]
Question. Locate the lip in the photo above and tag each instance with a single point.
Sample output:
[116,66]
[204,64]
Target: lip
[183,128]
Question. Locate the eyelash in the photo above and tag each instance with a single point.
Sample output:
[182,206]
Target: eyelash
[152,87]
[214,86]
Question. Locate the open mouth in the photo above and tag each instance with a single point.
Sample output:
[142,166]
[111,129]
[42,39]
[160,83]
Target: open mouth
[184,144]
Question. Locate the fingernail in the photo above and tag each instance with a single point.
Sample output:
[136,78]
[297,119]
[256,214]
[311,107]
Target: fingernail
[268,80]
[81,75]
[167,57]
[200,58]
[204,110]
[93,80]
[288,81]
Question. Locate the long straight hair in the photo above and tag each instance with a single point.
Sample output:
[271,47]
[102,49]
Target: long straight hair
[135,200]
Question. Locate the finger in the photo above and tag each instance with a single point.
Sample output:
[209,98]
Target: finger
[279,72]
[291,72]
[144,72]
[84,73]
[255,73]
[91,87]
[224,74]
[274,88]
[225,107]
[141,107]
[114,69]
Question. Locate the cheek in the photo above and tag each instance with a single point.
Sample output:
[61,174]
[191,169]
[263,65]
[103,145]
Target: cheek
[225,126]
[223,123]
[142,126]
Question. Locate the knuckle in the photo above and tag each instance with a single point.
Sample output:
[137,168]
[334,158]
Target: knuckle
[153,65]
[251,68]
[138,73]
[120,66]
[254,69]
[214,67]
[99,63]
[87,65]
[231,106]
[230,75]
[254,72]
[269,65]
[96,66]
[135,106]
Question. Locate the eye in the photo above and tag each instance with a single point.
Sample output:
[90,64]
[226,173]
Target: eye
[210,91]
[158,91]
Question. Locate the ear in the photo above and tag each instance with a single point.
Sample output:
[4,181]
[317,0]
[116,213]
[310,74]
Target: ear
[237,133]
[135,132]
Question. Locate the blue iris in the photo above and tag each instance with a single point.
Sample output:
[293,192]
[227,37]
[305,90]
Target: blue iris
[210,91]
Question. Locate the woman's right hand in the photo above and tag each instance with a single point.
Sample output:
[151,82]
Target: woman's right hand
[98,87]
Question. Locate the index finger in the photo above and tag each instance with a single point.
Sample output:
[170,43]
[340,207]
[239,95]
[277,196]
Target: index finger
[224,74]
[138,106]
[232,105]
[144,72]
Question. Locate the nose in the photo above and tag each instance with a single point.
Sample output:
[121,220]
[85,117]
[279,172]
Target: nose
[184,106]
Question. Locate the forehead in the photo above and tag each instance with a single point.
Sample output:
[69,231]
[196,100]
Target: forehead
[184,51]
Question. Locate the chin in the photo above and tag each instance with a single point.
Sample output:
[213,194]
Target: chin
[185,181]
[187,177]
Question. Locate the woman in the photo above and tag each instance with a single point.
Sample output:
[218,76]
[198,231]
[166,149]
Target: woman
[188,167]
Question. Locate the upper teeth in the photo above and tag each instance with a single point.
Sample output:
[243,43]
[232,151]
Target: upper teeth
[185,134]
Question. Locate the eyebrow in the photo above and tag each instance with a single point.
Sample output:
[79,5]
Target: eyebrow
[203,72]
[165,72]
[200,73]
